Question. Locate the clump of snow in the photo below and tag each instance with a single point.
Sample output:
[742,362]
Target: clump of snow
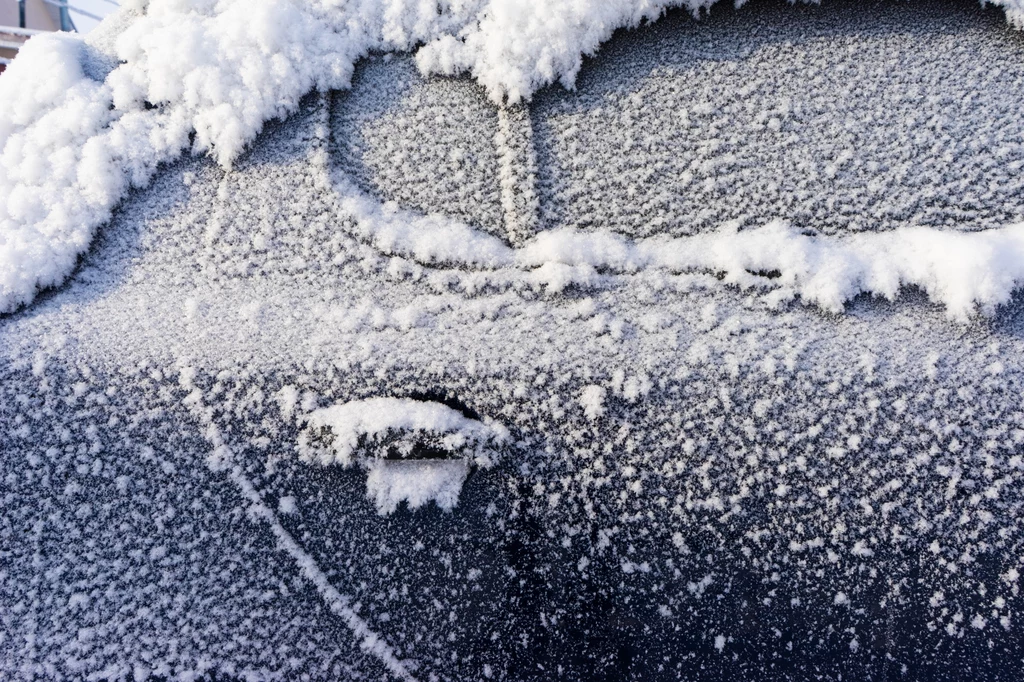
[54,186]
[390,427]
[286,505]
[399,426]
[962,271]
[206,76]
[592,400]
[390,482]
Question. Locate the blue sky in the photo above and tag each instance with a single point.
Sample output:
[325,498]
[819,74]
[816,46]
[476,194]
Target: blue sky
[100,8]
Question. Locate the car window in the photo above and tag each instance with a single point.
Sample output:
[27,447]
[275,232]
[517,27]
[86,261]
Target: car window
[682,126]
[425,143]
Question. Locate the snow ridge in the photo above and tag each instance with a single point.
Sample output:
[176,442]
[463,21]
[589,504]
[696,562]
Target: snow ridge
[518,161]
[89,119]
[962,271]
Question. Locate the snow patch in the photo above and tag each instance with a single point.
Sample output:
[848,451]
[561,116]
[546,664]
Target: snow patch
[962,271]
[397,426]
[416,482]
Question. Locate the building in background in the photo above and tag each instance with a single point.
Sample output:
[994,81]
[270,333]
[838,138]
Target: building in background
[21,19]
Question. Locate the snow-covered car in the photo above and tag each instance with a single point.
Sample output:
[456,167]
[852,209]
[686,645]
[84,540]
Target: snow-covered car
[703,364]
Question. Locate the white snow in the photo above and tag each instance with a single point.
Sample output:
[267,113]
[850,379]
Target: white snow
[286,505]
[654,412]
[960,270]
[390,482]
[89,119]
[395,425]
[592,400]
[402,423]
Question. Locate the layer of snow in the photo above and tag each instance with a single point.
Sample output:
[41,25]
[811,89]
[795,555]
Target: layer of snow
[400,424]
[959,270]
[90,119]
[390,482]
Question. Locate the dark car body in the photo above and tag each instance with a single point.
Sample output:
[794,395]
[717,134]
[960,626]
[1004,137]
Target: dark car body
[699,483]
